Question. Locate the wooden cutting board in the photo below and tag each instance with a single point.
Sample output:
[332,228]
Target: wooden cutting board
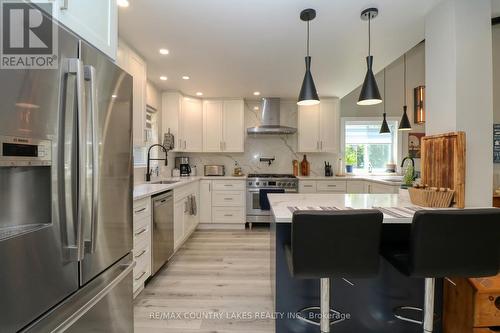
[443,163]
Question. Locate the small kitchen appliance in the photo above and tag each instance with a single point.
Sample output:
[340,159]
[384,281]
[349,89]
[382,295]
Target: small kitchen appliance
[215,170]
[182,163]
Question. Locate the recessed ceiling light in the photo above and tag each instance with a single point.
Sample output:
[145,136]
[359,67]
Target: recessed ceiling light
[199,94]
[163,78]
[256,108]
[114,96]
[185,77]
[164,51]
[256,93]
[122,3]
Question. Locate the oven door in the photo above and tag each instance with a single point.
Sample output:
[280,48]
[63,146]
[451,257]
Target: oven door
[255,203]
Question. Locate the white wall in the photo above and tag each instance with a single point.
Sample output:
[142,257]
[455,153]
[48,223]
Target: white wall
[459,85]
[415,59]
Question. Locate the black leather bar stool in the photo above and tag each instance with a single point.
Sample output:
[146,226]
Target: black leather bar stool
[447,243]
[327,244]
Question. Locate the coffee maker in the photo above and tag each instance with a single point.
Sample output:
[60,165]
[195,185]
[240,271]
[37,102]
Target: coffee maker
[182,163]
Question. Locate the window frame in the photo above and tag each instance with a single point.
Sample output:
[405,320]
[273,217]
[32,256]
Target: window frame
[364,120]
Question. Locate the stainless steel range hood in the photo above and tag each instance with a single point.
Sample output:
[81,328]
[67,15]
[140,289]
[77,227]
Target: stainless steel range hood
[271,119]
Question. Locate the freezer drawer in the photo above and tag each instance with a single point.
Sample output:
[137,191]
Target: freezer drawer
[104,305]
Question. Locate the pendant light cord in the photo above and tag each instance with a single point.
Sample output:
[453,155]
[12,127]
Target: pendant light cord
[404,57]
[384,92]
[369,34]
[307,38]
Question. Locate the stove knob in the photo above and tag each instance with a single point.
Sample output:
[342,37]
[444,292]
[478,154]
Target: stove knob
[289,184]
[250,183]
[257,183]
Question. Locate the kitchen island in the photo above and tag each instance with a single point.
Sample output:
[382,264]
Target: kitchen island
[365,305]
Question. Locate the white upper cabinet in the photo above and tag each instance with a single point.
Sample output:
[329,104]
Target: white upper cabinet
[191,125]
[318,127]
[136,66]
[308,128]
[96,21]
[183,116]
[212,125]
[223,126]
[233,124]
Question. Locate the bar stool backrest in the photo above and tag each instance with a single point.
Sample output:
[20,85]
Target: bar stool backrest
[336,243]
[455,243]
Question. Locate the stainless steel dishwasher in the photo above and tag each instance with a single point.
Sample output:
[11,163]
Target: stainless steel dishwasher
[163,229]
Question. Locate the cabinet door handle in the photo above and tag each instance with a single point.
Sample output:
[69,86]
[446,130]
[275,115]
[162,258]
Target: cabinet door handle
[180,144]
[228,215]
[140,210]
[228,185]
[228,199]
[140,276]
[143,230]
[321,145]
[308,186]
[209,187]
[185,144]
[220,145]
[317,145]
[140,254]
[330,185]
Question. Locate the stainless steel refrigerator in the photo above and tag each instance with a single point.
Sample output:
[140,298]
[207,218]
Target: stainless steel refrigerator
[66,183]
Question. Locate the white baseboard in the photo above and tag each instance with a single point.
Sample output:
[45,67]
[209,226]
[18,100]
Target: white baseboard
[221,226]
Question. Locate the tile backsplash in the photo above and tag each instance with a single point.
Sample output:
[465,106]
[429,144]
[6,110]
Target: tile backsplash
[282,147]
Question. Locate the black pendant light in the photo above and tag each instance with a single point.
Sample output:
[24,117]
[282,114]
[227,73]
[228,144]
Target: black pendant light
[308,94]
[369,92]
[385,127]
[404,125]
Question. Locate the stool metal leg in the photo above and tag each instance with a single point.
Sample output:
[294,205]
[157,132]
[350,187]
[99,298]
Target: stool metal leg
[325,305]
[430,286]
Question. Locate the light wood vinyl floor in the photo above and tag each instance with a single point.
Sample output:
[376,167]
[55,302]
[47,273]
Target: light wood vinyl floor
[213,280]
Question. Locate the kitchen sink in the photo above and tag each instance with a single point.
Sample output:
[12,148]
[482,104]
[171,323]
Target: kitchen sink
[165,182]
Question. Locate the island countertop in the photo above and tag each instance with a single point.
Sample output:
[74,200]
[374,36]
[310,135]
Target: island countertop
[397,208]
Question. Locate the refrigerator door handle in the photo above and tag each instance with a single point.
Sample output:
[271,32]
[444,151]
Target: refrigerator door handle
[74,179]
[90,76]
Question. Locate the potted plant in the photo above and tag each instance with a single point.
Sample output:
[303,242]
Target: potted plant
[351,159]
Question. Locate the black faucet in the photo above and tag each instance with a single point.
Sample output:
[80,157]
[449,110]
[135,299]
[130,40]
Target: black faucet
[148,170]
[412,164]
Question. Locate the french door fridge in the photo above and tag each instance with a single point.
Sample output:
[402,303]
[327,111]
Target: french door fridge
[66,183]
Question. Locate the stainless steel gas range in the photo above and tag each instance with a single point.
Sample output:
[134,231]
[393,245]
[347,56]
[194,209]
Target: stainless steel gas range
[258,186]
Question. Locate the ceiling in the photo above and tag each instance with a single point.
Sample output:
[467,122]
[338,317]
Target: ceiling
[231,48]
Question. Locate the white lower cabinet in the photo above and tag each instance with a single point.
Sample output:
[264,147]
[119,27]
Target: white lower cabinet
[223,203]
[205,201]
[356,186]
[345,186]
[186,212]
[142,242]
[376,188]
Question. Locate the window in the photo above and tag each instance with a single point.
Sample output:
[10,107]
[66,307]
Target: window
[150,137]
[365,146]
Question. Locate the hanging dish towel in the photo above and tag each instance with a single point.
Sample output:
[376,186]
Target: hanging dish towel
[263,202]
[194,209]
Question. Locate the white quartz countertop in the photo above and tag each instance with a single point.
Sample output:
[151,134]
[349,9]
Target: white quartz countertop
[148,189]
[393,180]
[283,205]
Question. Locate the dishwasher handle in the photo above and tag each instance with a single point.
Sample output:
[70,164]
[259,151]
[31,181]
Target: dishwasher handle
[161,199]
